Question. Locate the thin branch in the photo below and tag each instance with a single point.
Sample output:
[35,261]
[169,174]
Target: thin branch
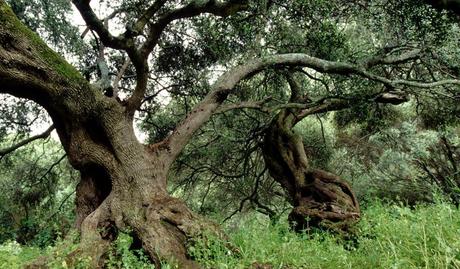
[192,9]
[97,25]
[247,104]
[111,16]
[120,74]
[24,142]
[122,42]
[61,205]
[50,169]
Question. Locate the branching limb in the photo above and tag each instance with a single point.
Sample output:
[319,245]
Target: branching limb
[226,83]
[193,9]
[123,42]
[111,16]
[97,25]
[24,142]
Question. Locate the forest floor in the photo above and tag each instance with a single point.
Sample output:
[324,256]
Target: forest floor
[388,236]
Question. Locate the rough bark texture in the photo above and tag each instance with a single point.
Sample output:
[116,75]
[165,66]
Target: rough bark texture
[123,183]
[319,198]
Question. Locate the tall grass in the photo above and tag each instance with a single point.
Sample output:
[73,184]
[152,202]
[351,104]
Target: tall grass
[388,236]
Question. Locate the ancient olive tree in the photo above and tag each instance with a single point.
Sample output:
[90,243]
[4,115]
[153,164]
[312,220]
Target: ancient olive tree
[124,182]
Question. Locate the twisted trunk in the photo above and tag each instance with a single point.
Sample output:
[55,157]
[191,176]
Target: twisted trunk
[123,187]
[319,198]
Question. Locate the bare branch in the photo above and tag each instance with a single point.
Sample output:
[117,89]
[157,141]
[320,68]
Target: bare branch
[193,9]
[120,74]
[24,142]
[122,42]
[97,25]
[111,16]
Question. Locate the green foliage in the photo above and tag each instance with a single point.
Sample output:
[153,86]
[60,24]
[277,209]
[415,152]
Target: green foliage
[370,117]
[51,20]
[439,113]
[123,256]
[318,139]
[388,236]
[403,163]
[36,199]
[54,256]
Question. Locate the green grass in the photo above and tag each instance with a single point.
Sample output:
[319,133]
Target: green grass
[388,236]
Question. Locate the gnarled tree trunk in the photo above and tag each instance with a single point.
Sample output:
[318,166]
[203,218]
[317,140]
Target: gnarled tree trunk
[319,198]
[123,183]
[123,186]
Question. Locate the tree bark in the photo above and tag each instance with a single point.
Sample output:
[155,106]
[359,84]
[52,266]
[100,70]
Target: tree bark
[319,199]
[123,183]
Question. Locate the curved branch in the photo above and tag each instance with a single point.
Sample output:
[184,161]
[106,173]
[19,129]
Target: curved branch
[24,142]
[226,83]
[194,8]
[123,42]
[97,25]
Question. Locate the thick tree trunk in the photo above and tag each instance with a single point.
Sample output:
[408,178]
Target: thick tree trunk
[320,199]
[123,188]
[123,183]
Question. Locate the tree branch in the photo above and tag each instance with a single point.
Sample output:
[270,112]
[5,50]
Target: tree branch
[391,59]
[145,18]
[24,142]
[241,105]
[226,83]
[194,8]
[120,74]
[97,25]
[123,42]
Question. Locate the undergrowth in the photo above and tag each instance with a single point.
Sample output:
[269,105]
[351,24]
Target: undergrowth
[388,236]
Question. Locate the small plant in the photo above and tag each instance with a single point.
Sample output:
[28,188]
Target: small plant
[123,256]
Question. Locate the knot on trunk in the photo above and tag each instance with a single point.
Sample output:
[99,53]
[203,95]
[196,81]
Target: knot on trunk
[326,201]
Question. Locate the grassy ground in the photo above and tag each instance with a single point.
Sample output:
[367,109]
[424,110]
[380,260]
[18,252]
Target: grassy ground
[388,236]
